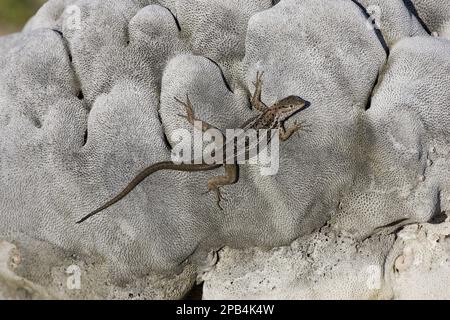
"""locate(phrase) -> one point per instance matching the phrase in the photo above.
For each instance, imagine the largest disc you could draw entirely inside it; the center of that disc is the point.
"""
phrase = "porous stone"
(87, 101)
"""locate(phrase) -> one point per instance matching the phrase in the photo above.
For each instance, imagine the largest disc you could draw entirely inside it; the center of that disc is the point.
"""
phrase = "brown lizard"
(269, 118)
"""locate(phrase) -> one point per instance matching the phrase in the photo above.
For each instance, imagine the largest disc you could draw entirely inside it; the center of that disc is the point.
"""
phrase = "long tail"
(144, 174)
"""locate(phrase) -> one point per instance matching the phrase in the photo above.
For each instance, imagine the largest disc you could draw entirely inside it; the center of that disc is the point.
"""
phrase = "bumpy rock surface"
(328, 265)
(418, 267)
(86, 102)
(434, 14)
(13, 286)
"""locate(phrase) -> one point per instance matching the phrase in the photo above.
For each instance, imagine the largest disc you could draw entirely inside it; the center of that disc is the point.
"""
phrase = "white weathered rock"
(420, 263)
(12, 286)
(109, 75)
(323, 265)
(41, 271)
(326, 265)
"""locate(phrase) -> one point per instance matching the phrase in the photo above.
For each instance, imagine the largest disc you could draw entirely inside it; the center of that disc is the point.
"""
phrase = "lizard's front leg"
(230, 177)
(285, 134)
(256, 99)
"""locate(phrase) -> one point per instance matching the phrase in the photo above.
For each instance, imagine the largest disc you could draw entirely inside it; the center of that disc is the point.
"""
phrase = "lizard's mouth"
(307, 104)
(294, 112)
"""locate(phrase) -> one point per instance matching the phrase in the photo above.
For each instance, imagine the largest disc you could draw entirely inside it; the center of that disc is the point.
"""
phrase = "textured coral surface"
(86, 102)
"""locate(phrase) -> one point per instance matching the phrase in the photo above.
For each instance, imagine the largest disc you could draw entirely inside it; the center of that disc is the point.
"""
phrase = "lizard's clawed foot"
(285, 134)
(189, 109)
(301, 126)
(259, 76)
(219, 195)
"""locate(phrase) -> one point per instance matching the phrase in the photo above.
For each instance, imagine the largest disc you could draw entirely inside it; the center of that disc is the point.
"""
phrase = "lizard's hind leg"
(230, 177)
(231, 170)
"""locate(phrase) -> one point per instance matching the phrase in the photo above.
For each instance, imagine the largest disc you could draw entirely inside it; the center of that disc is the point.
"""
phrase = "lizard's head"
(289, 106)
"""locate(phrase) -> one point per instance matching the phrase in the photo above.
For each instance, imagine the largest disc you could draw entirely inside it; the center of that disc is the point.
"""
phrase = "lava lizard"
(272, 117)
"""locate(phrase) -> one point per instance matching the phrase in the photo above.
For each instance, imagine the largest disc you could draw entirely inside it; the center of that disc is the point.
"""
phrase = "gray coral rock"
(86, 102)
(394, 19)
(435, 14)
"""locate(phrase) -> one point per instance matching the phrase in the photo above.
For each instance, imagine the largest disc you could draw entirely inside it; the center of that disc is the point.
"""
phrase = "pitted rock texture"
(32, 269)
(86, 102)
(328, 265)
(322, 265)
(13, 286)
(420, 262)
